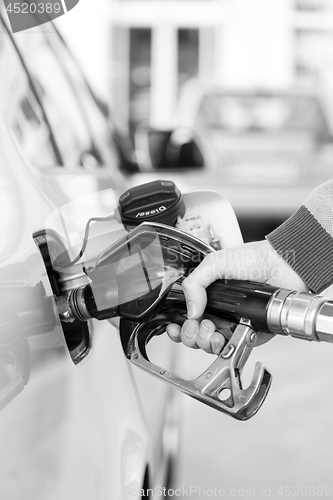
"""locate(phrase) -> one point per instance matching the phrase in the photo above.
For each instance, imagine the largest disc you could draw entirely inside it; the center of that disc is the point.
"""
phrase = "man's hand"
(256, 261)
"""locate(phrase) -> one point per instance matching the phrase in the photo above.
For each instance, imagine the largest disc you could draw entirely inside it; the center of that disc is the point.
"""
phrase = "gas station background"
(140, 53)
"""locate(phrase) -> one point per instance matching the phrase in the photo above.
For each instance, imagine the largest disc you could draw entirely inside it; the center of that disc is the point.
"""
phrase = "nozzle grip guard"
(223, 374)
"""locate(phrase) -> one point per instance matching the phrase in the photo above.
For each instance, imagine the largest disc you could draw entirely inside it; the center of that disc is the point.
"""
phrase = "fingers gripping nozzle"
(219, 386)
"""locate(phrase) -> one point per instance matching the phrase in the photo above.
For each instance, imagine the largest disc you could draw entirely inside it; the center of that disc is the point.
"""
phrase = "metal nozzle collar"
(78, 304)
(294, 313)
(72, 306)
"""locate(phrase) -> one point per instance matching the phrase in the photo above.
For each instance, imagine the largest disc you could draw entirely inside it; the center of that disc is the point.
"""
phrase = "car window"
(61, 104)
(267, 113)
(101, 129)
(96, 121)
(21, 110)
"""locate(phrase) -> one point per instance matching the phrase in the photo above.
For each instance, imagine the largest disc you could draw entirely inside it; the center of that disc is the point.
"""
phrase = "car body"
(77, 420)
(265, 150)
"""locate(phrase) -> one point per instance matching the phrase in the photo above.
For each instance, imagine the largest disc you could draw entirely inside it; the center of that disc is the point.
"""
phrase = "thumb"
(210, 269)
(246, 262)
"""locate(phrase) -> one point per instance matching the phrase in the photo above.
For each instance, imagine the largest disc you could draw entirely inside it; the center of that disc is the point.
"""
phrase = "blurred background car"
(264, 150)
(67, 431)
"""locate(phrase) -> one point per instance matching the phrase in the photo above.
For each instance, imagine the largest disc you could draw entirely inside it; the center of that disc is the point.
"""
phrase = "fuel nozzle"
(139, 280)
(140, 275)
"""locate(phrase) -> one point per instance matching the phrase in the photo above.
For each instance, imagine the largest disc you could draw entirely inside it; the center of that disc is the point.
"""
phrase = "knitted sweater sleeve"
(305, 240)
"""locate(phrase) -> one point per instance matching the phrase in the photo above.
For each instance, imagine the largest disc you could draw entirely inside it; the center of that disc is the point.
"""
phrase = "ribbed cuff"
(305, 245)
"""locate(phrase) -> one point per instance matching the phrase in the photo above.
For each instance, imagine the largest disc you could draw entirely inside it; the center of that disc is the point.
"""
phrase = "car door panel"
(64, 412)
